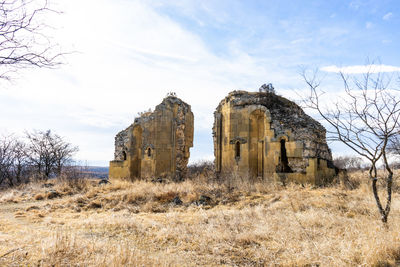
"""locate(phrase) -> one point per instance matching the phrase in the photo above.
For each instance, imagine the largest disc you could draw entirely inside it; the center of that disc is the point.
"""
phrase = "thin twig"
(11, 251)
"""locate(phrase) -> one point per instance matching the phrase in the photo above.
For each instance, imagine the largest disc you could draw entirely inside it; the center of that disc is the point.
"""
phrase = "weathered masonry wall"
(156, 144)
(261, 134)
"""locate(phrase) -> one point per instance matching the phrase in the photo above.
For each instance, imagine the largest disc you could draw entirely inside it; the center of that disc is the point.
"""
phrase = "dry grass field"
(81, 223)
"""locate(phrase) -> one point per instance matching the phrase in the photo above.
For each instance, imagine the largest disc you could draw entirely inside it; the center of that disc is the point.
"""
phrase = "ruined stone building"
(156, 144)
(261, 134)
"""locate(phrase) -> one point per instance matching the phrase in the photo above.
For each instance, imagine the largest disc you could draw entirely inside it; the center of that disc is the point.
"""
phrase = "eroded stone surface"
(262, 134)
(156, 144)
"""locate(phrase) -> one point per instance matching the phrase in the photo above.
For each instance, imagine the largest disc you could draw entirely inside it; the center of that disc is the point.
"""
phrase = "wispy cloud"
(355, 4)
(149, 52)
(301, 41)
(359, 69)
(387, 16)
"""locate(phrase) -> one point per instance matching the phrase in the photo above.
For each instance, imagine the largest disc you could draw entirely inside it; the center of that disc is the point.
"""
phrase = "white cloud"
(368, 25)
(387, 16)
(359, 69)
(129, 57)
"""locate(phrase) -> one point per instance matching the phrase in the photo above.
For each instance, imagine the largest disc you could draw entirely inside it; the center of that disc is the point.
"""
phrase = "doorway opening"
(284, 162)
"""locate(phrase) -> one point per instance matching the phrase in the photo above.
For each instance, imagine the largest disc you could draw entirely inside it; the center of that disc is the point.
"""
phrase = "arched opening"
(123, 155)
(237, 150)
(149, 152)
(284, 162)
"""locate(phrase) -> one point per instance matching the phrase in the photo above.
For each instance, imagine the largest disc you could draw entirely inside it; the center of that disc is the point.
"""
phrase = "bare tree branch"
(22, 40)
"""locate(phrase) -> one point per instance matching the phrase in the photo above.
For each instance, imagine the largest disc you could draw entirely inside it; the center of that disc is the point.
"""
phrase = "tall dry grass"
(218, 223)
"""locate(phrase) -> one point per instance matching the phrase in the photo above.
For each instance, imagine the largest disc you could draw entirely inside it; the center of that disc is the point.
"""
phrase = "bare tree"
(13, 168)
(365, 118)
(23, 42)
(351, 163)
(21, 171)
(48, 153)
(45, 154)
(63, 153)
(6, 160)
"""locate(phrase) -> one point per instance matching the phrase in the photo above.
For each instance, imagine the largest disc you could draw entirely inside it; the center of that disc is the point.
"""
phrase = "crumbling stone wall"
(156, 144)
(121, 145)
(265, 135)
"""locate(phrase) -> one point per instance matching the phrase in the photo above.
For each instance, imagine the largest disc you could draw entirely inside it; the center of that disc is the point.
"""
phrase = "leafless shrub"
(394, 145)
(48, 153)
(349, 163)
(204, 167)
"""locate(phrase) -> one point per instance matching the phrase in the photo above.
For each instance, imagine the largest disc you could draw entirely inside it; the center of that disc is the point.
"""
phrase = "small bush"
(38, 196)
(53, 194)
(203, 168)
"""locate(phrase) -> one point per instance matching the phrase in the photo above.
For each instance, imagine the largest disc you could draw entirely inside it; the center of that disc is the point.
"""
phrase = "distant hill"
(96, 171)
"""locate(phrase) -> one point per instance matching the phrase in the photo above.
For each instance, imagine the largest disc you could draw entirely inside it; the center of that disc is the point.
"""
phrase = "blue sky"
(130, 54)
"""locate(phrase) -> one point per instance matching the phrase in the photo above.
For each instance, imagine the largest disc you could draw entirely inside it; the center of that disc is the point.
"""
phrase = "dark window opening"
(318, 163)
(149, 152)
(284, 164)
(124, 155)
(237, 149)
